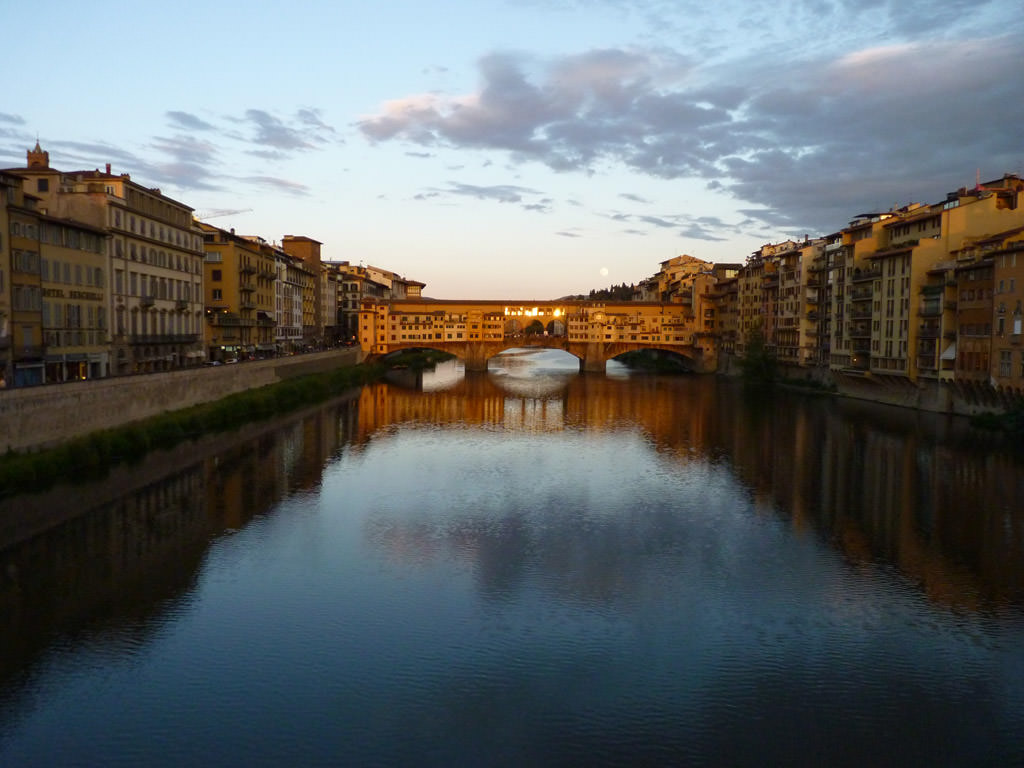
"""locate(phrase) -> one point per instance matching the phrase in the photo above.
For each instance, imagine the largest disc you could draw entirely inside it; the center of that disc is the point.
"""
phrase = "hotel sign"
(58, 293)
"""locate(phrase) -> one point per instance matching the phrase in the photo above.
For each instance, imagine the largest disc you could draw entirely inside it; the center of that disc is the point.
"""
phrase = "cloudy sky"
(523, 148)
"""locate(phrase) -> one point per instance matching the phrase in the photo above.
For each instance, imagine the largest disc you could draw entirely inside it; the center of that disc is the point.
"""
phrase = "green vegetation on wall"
(91, 456)
(758, 362)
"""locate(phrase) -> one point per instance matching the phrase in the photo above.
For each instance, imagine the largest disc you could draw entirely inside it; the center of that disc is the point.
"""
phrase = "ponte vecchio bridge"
(593, 331)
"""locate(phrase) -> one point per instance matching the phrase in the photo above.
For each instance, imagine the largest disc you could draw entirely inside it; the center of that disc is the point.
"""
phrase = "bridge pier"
(475, 357)
(593, 358)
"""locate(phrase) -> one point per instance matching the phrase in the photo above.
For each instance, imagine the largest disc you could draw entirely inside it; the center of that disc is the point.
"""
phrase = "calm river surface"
(528, 568)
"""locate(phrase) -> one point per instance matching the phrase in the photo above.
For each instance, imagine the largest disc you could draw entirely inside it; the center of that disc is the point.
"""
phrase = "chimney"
(108, 169)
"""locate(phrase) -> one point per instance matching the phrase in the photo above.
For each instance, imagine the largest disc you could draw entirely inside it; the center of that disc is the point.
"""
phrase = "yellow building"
(26, 349)
(74, 266)
(307, 250)
(155, 300)
(1005, 252)
(239, 275)
(10, 186)
(891, 318)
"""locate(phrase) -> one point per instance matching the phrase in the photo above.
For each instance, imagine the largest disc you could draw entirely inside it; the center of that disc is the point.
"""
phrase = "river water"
(528, 567)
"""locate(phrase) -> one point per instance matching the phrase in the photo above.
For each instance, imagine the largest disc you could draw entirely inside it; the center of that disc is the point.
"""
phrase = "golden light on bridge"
(531, 312)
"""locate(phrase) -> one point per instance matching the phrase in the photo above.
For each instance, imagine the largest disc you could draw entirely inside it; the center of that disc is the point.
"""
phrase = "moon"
(604, 271)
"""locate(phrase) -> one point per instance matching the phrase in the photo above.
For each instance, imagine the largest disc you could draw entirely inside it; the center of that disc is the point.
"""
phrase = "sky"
(523, 149)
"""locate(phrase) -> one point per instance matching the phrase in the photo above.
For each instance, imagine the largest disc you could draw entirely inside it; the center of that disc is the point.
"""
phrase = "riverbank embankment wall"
(38, 417)
(952, 397)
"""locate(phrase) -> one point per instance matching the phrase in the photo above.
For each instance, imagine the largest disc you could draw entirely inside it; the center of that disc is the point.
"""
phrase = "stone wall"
(37, 417)
(957, 398)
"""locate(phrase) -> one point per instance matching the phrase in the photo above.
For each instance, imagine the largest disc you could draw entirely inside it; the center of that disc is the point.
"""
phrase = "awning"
(950, 352)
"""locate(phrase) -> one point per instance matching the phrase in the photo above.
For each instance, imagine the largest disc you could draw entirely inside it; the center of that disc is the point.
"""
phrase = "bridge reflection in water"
(137, 563)
(872, 479)
(880, 483)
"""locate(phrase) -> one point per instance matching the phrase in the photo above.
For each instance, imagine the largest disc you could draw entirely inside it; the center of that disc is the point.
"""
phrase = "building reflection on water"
(882, 485)
(915, 490)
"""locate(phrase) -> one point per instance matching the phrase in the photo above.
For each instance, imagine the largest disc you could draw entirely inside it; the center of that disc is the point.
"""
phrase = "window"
(42, 185)
(215, 275)
(1005, 362)
(218, 294)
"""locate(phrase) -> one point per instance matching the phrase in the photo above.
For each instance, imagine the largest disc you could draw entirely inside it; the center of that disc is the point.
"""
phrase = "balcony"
(929, 311)
(861, 294)
(147, 301)
(247, 269)
(29, 351)
(163, 338)
(223, 318)
(932, 290)
(860, 332)
(866, 274)
(928, 332)
(181, 304)
(246, 286)
(860, 313)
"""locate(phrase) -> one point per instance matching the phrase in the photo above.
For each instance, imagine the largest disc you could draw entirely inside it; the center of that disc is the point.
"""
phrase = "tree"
(758, 363)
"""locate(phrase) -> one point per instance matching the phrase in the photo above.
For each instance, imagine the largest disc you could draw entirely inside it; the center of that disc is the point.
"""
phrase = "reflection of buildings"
(874, 480)
(880, 483)
(137, 540)
(885, 484)
(120, 562)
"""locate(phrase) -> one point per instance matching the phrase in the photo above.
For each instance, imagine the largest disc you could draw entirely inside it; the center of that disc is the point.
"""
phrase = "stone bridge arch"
(691, 356)
(592, 356)
(476, 354)
(593, 332)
